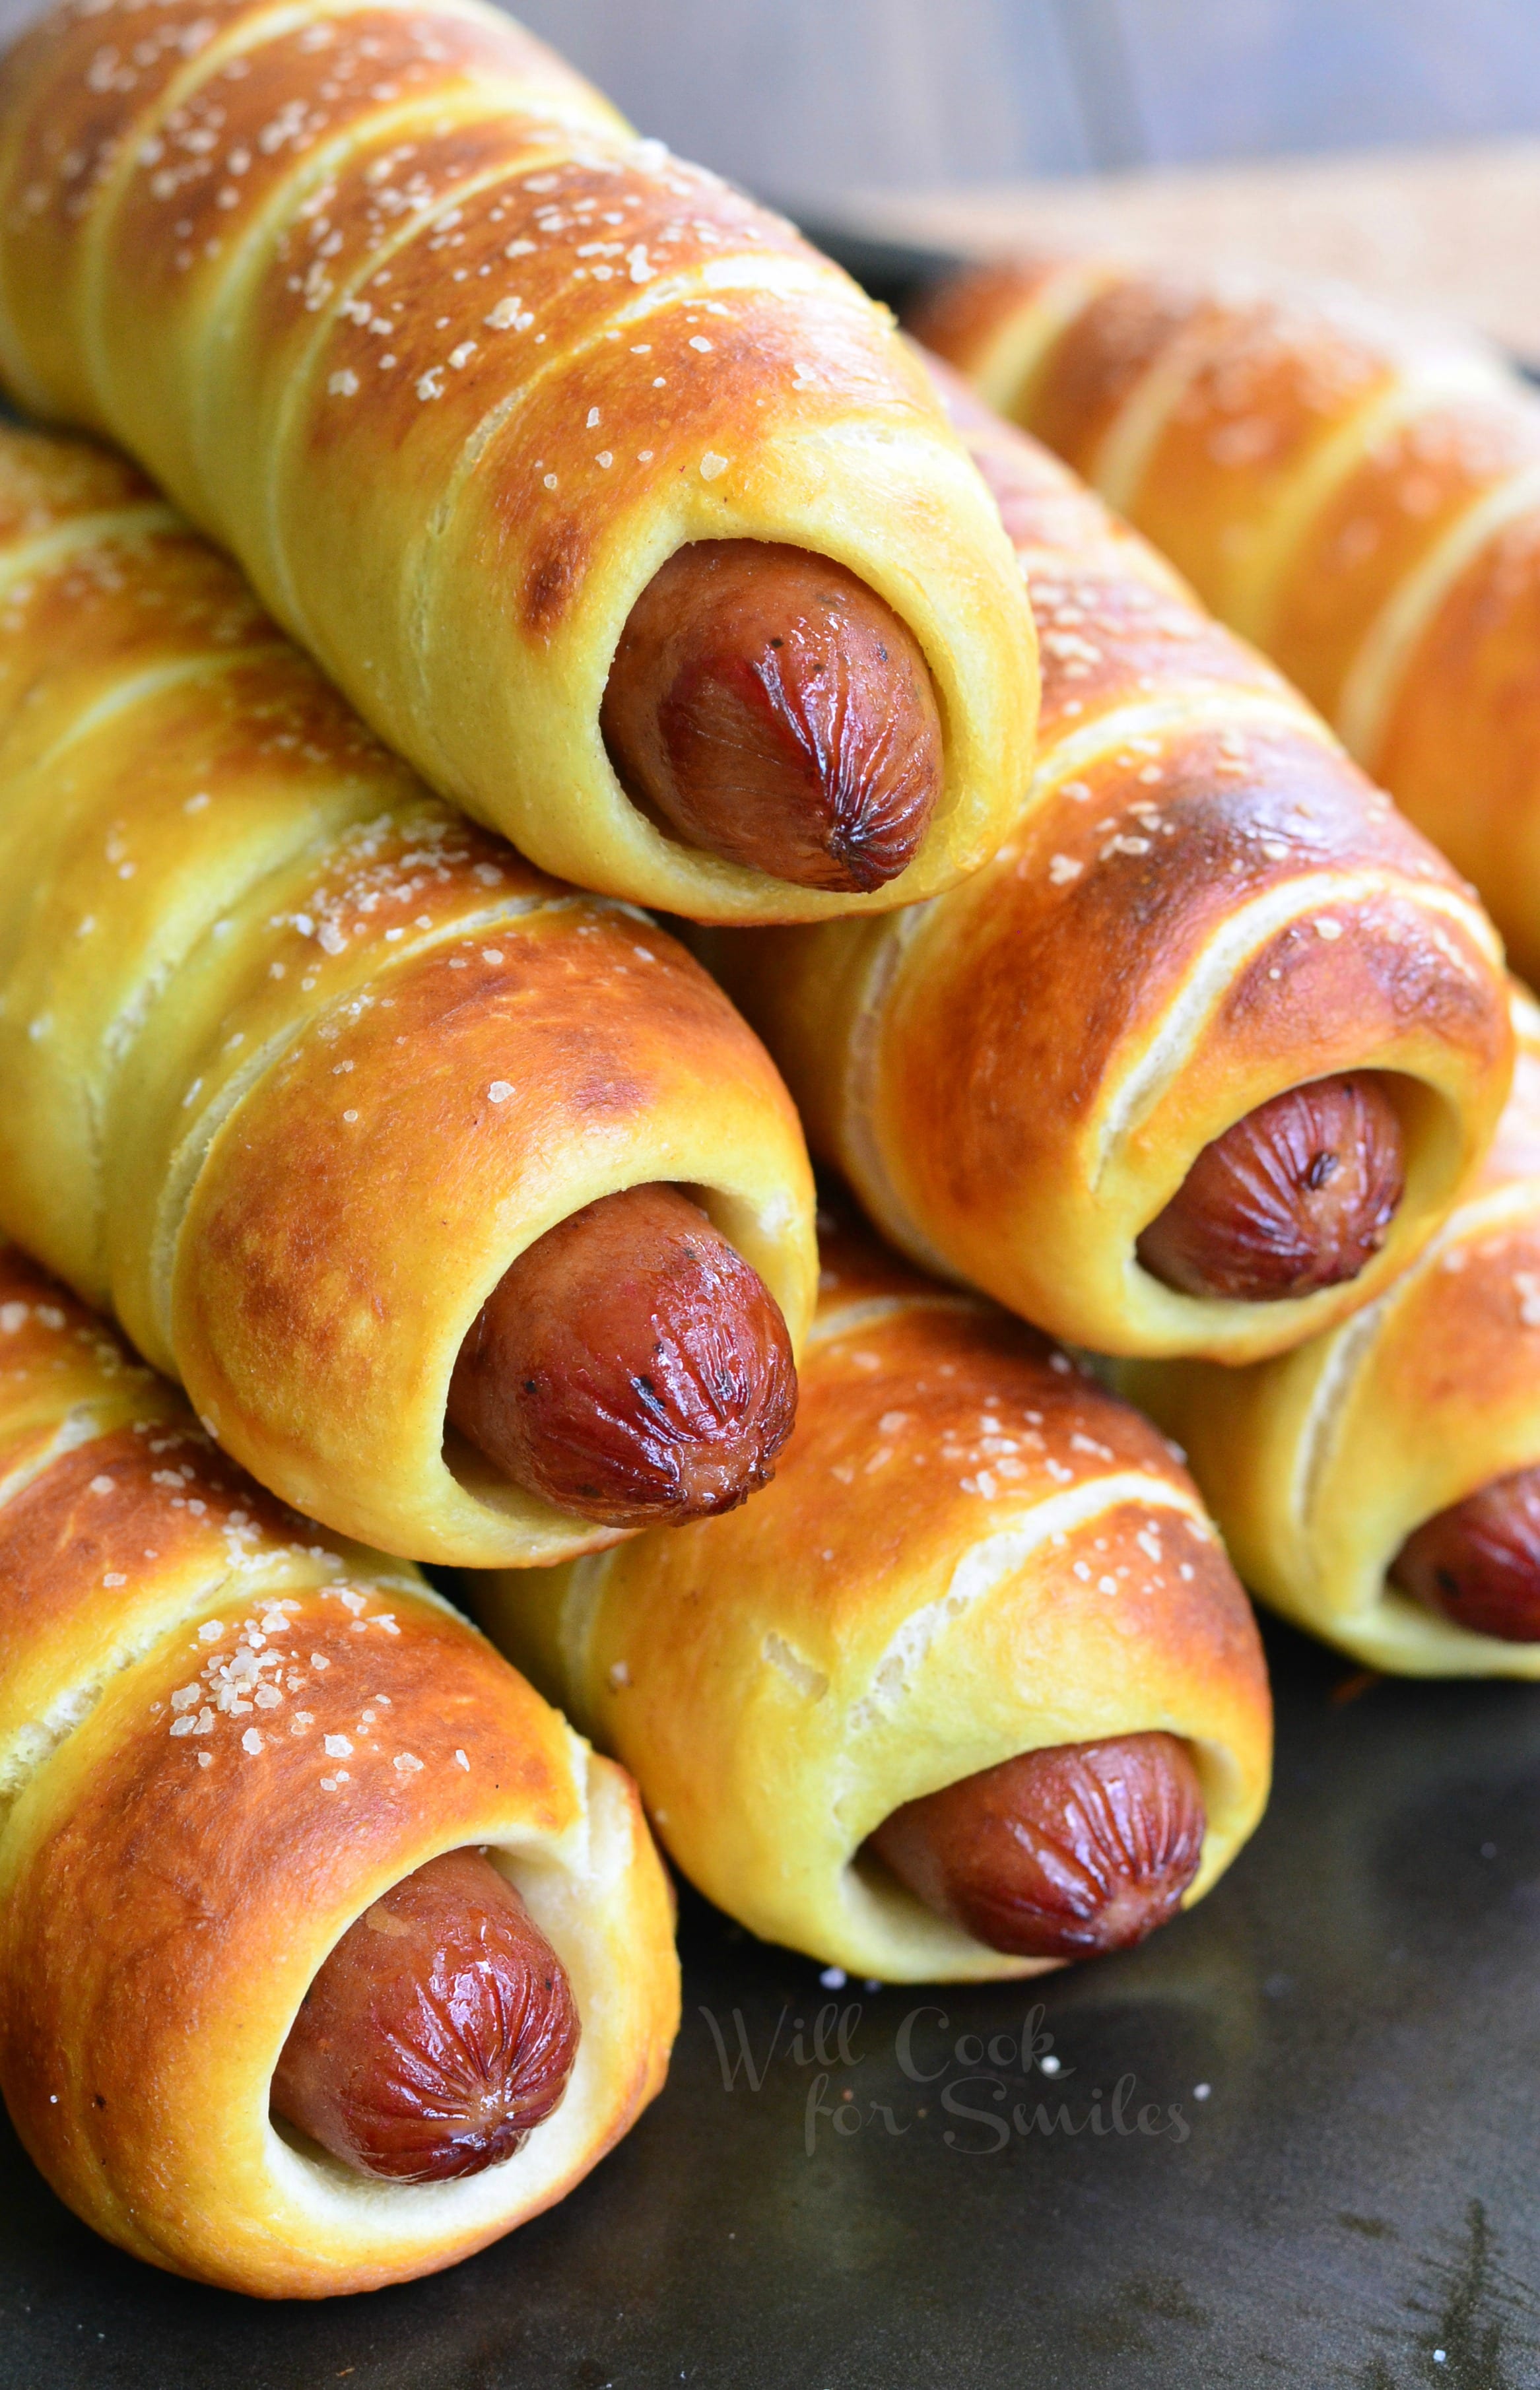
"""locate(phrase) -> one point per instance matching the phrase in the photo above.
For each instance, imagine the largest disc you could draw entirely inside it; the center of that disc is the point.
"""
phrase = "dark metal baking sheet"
(894, 271)
(1354, 2195)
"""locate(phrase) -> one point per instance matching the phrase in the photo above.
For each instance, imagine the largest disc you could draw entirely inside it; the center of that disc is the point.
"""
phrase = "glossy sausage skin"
(1061, 1853)
(1297, 1196)
(630, 1368)
(1478, 1562)
(769, 707)
(439, 2033)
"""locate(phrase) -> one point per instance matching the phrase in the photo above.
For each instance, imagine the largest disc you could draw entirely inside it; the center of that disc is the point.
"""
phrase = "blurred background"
(806, 98)
(1392, 143)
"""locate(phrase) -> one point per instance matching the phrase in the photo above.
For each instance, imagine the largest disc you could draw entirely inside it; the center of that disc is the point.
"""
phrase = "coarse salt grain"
(251, 1742)
(713, 465)
(406, 1763)
(499, 1091)
(337, 1746)
(461, 1761)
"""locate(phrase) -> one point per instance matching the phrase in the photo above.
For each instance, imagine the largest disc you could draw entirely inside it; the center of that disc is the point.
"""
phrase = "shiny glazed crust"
(178, 1853)
(1205, 904)
(400, 311)
(1319, 1465)
(295, 1061)
(942, 1575)
(1359, 494)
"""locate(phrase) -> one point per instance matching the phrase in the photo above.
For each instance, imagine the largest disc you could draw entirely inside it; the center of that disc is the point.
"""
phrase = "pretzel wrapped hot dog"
(330, 1095)
(1381, 1485)
(479, 388)
(1200, 1060)
(328, 1952)
(1358, 492)
(970, 1689)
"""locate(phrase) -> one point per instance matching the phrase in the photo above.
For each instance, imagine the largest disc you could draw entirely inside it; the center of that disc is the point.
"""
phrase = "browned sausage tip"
(773, 710)
(1297, 1196)
(630, 1368)
(439, 2033)
(1478, 1562)
(1061, 1853)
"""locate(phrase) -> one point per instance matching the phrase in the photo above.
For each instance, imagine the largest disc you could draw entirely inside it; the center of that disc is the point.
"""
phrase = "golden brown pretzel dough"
(1318, 1465)
(400, 311)
(1206, 904)
(1358, 493)
(295, 1062)
(223, 1736)
(969, 1550)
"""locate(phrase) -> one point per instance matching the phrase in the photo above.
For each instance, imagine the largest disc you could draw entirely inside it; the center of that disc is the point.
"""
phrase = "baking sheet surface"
(903, 2206)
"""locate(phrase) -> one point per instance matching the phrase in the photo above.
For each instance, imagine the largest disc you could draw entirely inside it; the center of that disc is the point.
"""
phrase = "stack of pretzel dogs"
(1359, 494)
(585, 508)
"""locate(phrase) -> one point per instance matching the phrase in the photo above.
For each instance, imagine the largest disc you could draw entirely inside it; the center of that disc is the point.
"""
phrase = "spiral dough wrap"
(397, 308)
(232, 1751)
(1379, 1486)
(311, 1083)
(1204, 919)
(979, 1635)
(1358, 492)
